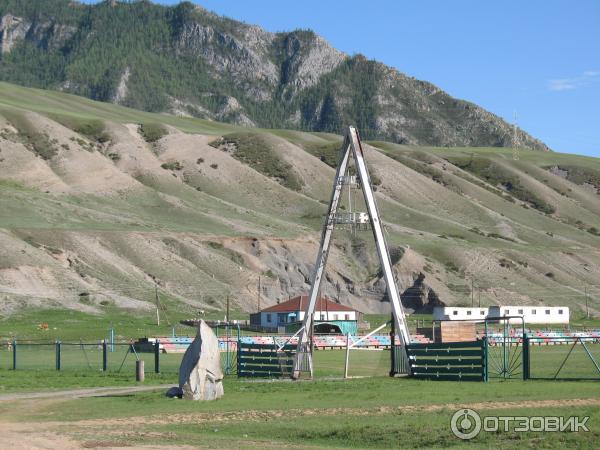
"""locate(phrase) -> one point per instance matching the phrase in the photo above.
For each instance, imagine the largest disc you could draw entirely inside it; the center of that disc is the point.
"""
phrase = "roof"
(301, 302)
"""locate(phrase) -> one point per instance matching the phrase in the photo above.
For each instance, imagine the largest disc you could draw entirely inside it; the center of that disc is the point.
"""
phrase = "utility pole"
(227, 316)
(157, 303)
(587, 311)
(259, 293)
(472, 293)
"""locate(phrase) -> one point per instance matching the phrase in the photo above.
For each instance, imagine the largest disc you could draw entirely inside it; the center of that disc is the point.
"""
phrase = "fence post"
(393, 347)
(57, 346)
(347, 355)
(484, 349)
(14, 354)
(139, 370)
(104, 356)
(526, 373)
(239, 342)
(156, 356)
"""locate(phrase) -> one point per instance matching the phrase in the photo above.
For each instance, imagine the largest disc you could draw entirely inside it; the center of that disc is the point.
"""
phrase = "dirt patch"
(117, 433)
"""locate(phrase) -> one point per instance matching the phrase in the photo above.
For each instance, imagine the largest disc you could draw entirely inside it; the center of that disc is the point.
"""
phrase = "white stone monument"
(200, 374)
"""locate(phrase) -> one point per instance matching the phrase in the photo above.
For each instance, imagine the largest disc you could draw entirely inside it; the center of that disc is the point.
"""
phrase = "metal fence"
(98, 356)
(95, 356)
(562, 358)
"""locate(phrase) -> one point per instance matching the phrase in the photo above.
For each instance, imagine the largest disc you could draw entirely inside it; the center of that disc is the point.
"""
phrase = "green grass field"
(361, 413)
(373, 411)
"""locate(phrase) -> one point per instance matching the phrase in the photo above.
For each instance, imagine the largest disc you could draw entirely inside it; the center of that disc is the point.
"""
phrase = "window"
(533, 311)
(520, 311)
(347, 317)
(547, 311)
(482, 313)
(560, 311)
(281, 318)
(269, 318)
(322, 316)
(335, 317)
(455, 313)
(468, 313)
(507, 312)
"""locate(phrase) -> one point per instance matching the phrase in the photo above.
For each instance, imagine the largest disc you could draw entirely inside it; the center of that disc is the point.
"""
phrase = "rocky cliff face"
(12, 29)
(189, 61)
(48, 35)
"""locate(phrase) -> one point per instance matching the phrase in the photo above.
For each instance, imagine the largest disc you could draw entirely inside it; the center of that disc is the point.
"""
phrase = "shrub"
(174, 165)
(496, 176)
(499, 236)
(93, 129)
(254, 150)
(451, 267)
(35, 141)
(214, 166)
(152, 132)
(594, 231)
(269, 273)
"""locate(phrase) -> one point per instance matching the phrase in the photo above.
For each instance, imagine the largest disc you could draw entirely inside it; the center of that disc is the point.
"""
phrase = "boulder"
(200, 374)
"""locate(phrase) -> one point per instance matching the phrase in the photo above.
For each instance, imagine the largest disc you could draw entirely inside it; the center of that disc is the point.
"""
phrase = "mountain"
(100, 204)
(190, 62)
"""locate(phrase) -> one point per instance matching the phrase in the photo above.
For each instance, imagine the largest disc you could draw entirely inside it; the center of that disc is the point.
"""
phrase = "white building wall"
(459, 313)
(330, 315)
(318, 315)
(531, 314)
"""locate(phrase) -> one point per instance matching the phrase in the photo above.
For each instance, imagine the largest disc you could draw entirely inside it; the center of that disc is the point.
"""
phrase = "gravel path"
(79, 393)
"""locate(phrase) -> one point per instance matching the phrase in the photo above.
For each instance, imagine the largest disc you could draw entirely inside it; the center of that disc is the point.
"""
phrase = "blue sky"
(540, 58)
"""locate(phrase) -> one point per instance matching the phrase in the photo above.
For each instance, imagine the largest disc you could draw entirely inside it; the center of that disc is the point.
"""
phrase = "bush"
(328, 153)
(35, 141)
(254, 150)
(498, 176)
(93, 129)
(174, 165)
(214, 166)
(499, 236)
(594, 231)
(152, 132)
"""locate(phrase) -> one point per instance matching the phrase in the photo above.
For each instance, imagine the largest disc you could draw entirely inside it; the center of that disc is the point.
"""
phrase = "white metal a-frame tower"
(352, 146)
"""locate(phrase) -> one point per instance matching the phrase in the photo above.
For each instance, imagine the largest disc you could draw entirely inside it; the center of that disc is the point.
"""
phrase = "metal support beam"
(303, 356)
(377, 226)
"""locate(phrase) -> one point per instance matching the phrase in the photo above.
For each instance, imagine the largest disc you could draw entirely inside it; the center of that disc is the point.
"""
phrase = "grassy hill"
(100, 204)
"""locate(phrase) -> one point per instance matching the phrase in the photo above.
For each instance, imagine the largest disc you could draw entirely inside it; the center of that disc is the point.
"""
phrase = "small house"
(329, 316)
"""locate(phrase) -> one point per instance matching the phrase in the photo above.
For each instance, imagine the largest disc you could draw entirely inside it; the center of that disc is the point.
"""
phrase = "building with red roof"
(330, 316)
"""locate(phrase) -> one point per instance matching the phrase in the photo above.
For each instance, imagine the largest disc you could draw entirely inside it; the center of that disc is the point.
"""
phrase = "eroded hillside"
(99, 204)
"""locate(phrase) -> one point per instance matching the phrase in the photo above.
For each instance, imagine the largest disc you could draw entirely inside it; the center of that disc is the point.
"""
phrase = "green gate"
(454, 361)
(507, 356)
(265, 360)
